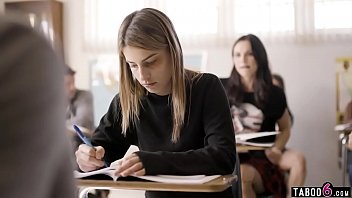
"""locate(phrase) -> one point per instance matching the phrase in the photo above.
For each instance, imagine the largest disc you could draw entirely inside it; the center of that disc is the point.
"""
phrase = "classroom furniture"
(343, 131)
(46, 16)
(217, 185)
(237, 183)
(245, 148)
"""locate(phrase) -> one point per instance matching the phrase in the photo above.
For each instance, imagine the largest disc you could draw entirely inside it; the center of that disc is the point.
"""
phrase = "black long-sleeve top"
(206, 143)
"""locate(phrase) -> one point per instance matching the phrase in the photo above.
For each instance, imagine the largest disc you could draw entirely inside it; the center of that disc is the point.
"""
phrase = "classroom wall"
(310, 83)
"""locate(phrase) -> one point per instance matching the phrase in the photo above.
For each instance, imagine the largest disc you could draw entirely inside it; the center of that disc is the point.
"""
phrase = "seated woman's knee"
(299, 159)
(247, 173)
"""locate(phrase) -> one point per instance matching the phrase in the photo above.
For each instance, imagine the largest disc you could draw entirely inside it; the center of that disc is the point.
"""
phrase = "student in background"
(179, 119)
(348, 119)
(80, 112)
(80, 103)
(258, 105)
(34, 151)
(349, 146)
(291, 160)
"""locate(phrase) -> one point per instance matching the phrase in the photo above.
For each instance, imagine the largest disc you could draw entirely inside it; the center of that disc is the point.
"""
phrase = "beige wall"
(307, 69)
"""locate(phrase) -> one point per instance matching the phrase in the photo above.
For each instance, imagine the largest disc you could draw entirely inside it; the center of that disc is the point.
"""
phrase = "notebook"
(262, 139)
(174, 179)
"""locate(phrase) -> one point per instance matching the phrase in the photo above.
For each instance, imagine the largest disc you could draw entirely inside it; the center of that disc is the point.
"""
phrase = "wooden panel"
(45, 16)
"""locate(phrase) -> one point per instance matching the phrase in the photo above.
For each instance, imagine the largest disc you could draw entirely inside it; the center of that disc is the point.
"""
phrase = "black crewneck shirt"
(206, 143)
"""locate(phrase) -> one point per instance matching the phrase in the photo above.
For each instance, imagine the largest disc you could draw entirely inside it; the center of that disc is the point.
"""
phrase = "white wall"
(310, 82)
(309, 72)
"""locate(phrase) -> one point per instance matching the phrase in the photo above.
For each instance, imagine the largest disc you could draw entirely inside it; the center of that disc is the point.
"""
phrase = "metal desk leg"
(83, 192)
(344, 159)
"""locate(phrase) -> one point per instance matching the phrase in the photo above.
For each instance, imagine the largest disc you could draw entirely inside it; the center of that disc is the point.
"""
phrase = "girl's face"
(152, 68)
(244, 61)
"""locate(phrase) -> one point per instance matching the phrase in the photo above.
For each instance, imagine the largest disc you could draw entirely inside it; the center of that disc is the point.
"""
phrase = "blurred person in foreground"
(34, 150)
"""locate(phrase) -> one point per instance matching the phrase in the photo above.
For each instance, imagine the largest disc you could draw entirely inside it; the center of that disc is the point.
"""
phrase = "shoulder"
(206, 84)
(205, 79)
(277, 93)
(84, 93)
(116, 101)
(83, 97)
(277, 98)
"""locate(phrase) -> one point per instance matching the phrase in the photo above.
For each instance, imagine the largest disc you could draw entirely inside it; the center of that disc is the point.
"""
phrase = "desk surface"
(217, 185)
(246, 148)
(343, 127)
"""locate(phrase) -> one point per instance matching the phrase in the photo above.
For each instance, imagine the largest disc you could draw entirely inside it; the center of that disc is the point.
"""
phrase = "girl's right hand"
(88, 158)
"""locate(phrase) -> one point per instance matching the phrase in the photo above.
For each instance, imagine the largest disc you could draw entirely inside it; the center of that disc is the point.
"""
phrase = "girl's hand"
(89, 158)
(273, 154)
(130, 165)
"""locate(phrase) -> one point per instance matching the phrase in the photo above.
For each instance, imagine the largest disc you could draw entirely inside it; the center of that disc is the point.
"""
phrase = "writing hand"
(129, 165)
(89, 158)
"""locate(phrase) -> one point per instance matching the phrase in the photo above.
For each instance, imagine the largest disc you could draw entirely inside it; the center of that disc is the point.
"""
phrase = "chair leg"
(83, 192)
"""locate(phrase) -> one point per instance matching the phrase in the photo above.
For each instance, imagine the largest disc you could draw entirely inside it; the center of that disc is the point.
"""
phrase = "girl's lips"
(149, 84)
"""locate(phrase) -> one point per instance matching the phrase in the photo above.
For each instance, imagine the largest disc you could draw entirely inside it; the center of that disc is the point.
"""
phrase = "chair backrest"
(236, 185)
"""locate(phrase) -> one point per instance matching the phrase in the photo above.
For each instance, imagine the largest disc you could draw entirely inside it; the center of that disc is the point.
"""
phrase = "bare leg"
(294, 162)
(251, 181)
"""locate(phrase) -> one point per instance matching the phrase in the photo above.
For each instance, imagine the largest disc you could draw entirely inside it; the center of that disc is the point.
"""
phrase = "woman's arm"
(109, 133)
(274, 153)
(284, 124)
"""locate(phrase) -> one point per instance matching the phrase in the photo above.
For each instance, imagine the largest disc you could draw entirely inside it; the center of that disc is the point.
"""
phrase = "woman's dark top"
(261, 119)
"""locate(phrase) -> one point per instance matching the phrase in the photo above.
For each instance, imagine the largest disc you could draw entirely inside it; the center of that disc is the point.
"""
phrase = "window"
(333, 14)
(102, 21)
(193, 17)
(253, 16)
(214, 23)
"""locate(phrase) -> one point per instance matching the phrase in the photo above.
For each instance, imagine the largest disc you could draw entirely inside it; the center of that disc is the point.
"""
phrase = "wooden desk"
(217, 185)
(245, 148)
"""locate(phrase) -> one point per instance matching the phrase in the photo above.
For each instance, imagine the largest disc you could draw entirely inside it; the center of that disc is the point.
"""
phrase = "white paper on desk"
(343, 127)
(172, 179)
(109, 171)
(251, 138)
(176, 179)
(270, 144)
(248, 136)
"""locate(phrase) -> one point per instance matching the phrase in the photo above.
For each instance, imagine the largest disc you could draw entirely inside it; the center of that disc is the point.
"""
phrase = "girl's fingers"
(132, 170)
(130, 165)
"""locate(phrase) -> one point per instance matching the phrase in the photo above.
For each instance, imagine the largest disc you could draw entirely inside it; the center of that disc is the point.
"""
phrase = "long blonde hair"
(150, 29)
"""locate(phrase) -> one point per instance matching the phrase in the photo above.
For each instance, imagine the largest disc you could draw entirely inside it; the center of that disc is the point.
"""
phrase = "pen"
(84, 139)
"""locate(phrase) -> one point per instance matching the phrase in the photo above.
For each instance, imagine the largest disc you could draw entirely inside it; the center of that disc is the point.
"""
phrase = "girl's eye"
(149, 63)
(133, 66)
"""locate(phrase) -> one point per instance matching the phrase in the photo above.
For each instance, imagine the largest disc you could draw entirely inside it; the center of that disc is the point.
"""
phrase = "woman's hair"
(262, 81)
(280, 80)
(150, 29)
